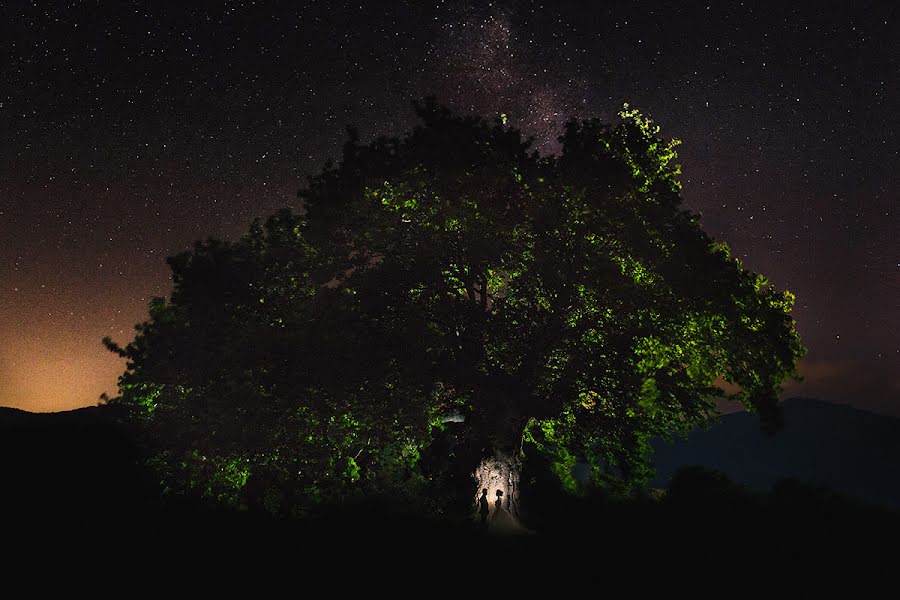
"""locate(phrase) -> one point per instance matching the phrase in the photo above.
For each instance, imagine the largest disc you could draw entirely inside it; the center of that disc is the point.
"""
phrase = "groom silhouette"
(485, 507)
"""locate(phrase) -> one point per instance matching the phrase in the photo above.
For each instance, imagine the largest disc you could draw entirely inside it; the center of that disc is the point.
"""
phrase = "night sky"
(129, 130)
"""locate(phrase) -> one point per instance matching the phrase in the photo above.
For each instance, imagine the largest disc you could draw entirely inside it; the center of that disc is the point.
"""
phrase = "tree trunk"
(500, 426)
(498, 473)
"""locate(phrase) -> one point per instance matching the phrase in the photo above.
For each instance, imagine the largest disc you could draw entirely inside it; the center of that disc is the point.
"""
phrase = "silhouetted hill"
(62, 461)
(837, 446)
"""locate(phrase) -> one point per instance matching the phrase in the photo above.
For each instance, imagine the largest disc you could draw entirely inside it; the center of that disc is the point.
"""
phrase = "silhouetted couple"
(484, 510)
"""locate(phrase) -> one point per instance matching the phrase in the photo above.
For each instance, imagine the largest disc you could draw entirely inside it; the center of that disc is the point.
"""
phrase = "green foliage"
(553, 438)
(569, 299)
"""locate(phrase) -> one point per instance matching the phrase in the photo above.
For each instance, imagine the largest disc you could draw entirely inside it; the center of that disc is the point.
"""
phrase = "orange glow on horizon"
(51, 355)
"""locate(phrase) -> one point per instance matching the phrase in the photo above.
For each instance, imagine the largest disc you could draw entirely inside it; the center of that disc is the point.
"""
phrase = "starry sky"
(130, 129)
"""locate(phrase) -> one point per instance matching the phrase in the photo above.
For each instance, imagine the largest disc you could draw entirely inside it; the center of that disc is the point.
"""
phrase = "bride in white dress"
(501, 519)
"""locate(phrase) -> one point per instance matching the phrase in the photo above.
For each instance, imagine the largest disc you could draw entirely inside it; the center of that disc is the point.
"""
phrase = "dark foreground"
(81, 520)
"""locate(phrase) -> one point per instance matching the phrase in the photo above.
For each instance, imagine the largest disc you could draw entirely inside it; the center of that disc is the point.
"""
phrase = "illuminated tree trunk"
(499, 471)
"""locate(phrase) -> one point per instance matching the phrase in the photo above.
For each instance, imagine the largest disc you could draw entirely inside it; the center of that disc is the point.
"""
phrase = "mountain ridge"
(846, 449)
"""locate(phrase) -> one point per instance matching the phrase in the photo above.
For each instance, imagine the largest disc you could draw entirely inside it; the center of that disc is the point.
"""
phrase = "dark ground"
(81, 518)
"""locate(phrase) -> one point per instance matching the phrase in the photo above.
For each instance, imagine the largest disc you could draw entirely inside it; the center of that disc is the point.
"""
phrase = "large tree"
(568, 302)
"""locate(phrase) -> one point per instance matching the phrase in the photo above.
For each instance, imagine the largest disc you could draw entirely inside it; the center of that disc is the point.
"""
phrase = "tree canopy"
(565, 302)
